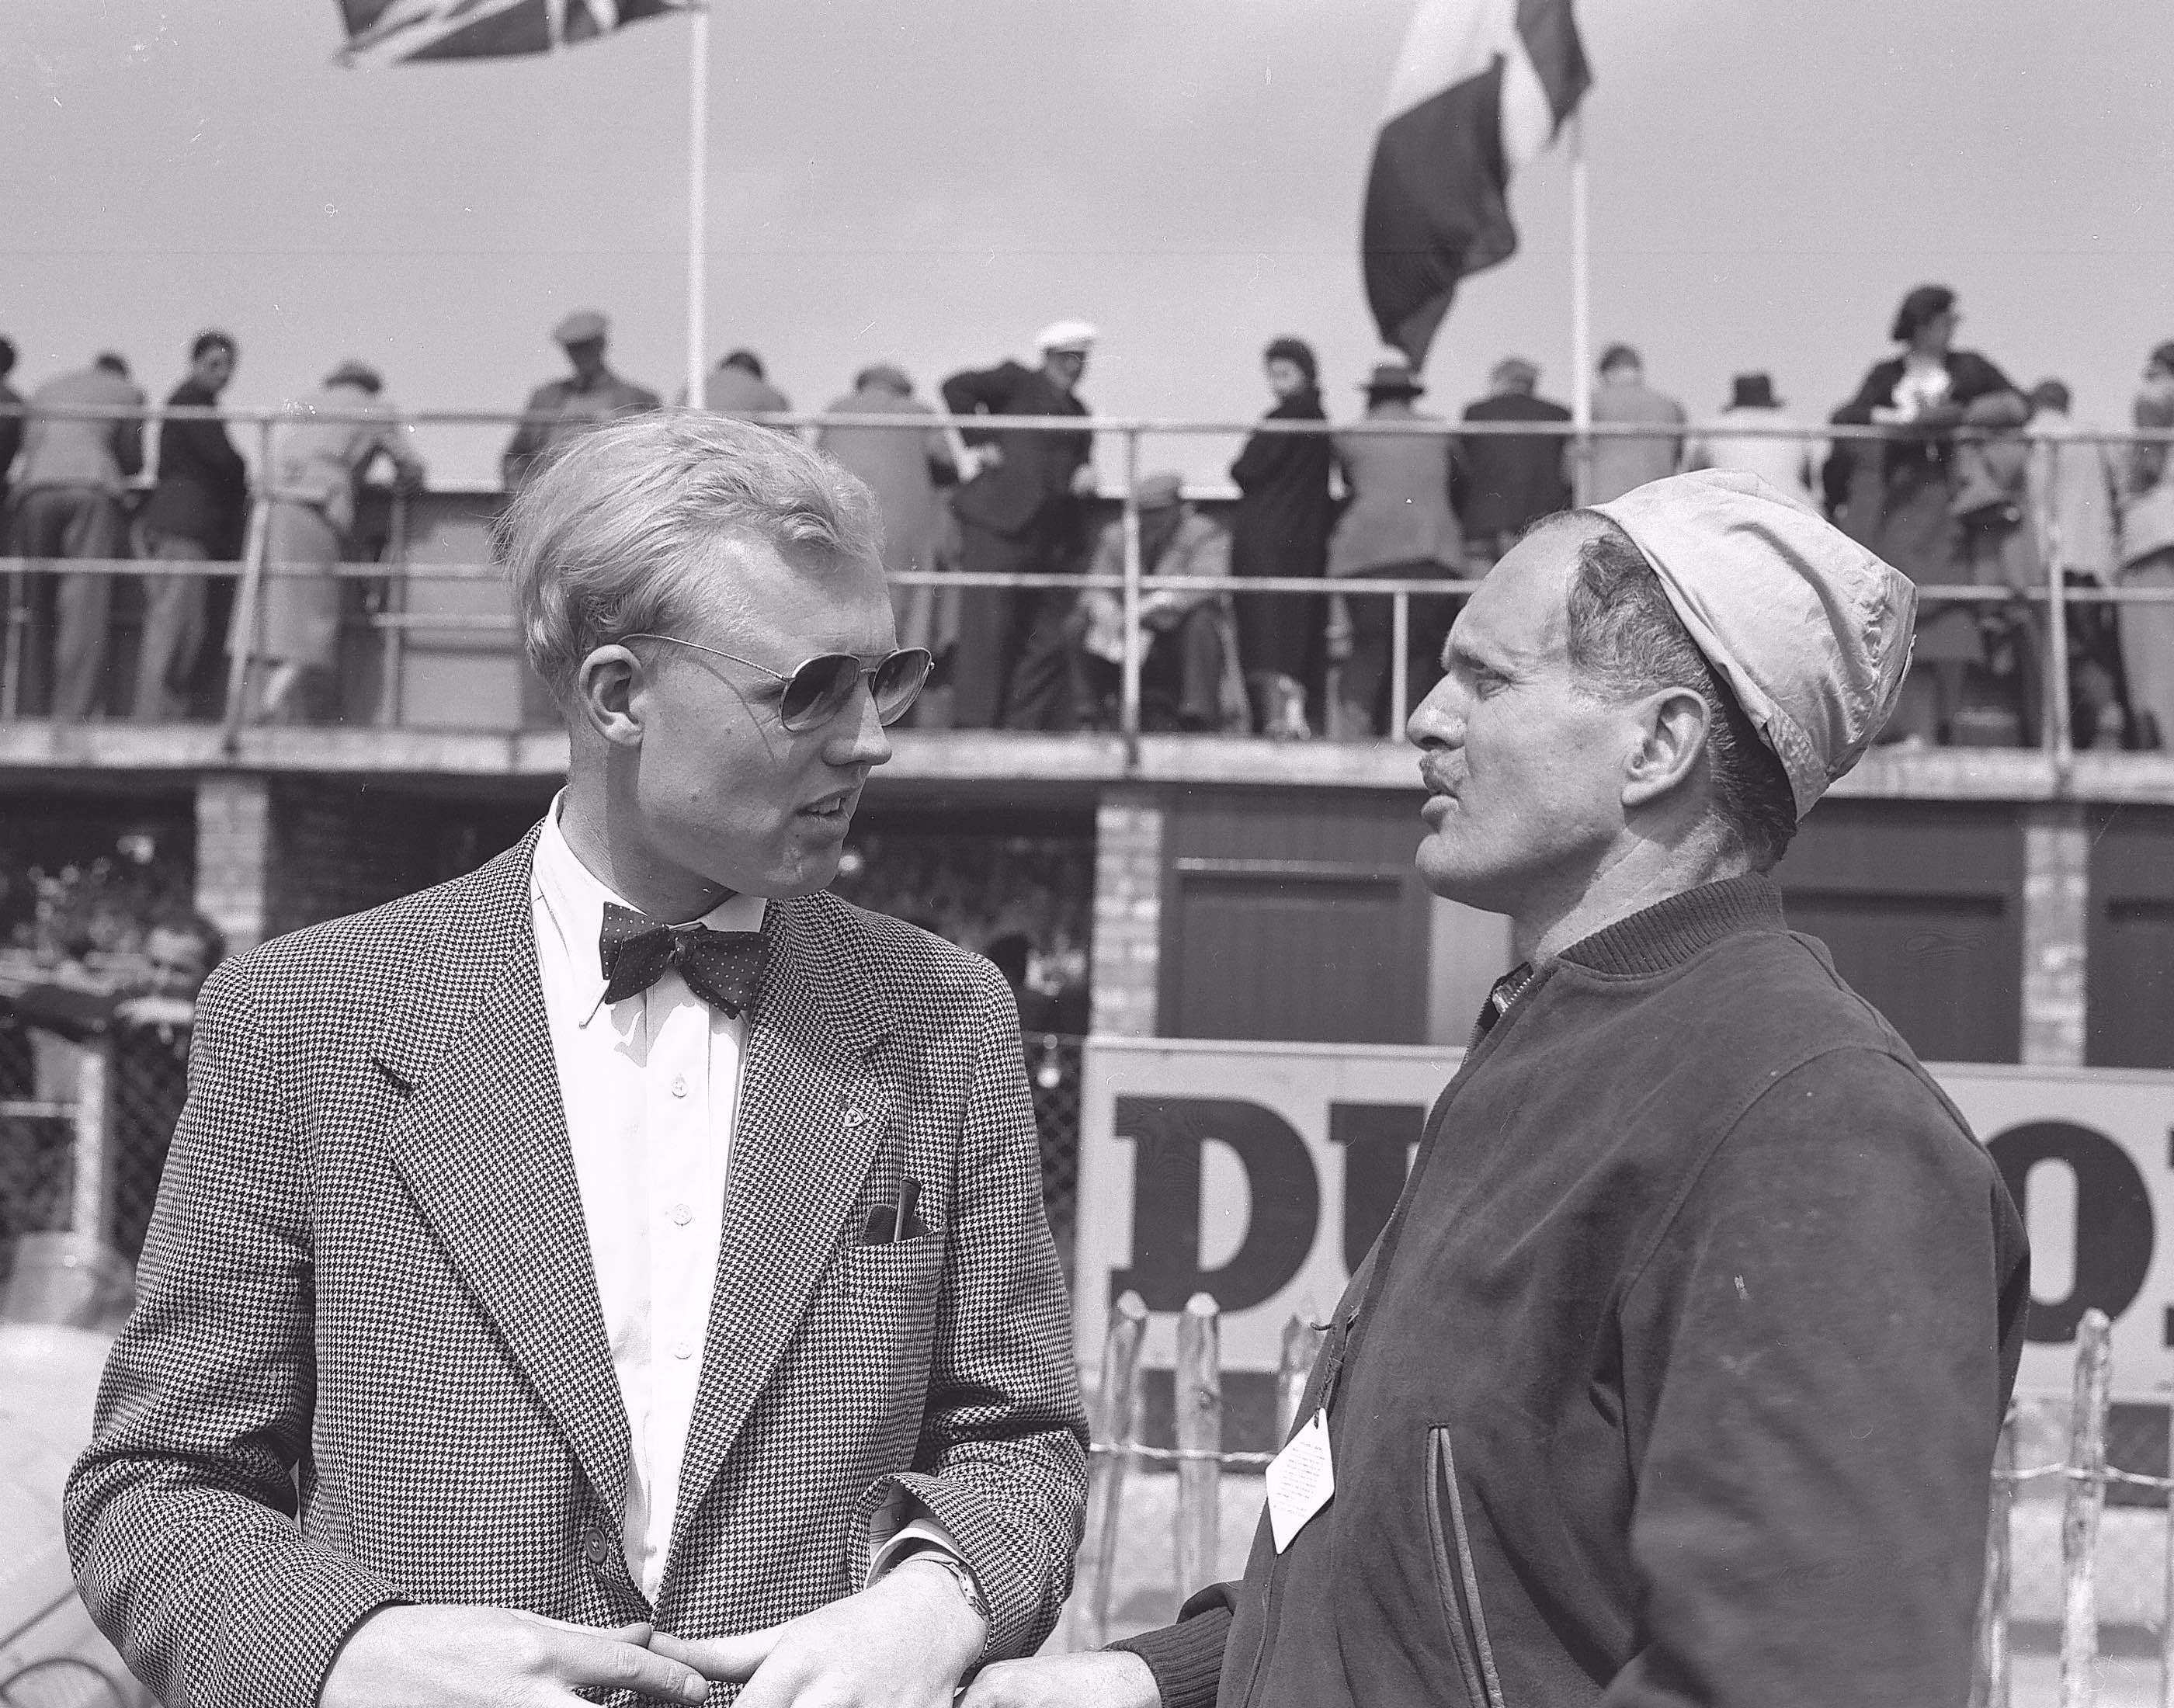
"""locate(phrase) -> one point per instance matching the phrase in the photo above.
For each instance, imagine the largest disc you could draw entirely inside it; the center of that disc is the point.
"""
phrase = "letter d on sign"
(1167, 1133)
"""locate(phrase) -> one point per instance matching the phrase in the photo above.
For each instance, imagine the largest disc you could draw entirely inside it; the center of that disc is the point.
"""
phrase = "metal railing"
(255, 570)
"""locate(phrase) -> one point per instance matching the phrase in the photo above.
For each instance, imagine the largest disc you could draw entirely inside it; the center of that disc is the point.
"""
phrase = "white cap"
(1066, 335)
(1811, 630)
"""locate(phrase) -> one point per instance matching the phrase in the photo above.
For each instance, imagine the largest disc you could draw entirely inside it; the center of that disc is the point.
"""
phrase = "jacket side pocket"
(1455, 1577)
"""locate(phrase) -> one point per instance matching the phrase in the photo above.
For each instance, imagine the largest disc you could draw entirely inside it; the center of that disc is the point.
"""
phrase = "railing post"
(249, 597)
(1301, 1346)
(10, 652)
(1989, 1670)
(90, 1196)
(1199, 1414)
(1116, 1427)
(2080, 1518)
(393, 646)
(1400, 672)
(1128, 712)
(2059, 738)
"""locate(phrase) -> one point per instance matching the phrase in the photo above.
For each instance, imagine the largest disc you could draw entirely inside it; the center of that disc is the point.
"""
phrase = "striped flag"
(1480, 88)
(400, 32)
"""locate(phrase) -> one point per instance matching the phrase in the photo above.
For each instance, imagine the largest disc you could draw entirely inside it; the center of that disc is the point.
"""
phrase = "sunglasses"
(817, 691)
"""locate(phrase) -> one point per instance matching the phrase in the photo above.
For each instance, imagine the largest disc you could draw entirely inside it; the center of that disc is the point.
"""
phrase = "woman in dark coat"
(1280, 527)
(1903, 494)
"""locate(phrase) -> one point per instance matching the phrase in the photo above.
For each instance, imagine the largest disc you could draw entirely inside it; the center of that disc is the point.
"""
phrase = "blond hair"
(609, 537)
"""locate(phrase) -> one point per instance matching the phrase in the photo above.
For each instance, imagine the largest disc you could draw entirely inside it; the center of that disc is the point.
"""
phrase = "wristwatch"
(955, 1569)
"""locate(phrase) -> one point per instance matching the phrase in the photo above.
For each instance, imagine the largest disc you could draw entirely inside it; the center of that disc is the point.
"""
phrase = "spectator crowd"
(1957, 475)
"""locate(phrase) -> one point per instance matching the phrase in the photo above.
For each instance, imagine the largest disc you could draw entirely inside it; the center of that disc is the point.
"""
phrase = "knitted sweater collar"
(1672, 931)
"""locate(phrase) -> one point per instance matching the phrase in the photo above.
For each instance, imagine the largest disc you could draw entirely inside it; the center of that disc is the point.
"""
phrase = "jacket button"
(594, 1548)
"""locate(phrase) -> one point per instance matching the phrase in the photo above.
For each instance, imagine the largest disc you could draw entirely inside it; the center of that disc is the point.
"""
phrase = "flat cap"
(1811, 630)
(1066, 335)
(580, 327)
(1159, 491)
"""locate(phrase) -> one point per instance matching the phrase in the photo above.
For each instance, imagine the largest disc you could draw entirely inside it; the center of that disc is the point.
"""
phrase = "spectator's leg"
(979, 654)
(39, 529)
(2147, 652)
(1360, 684)
(1041, 691)
(173, 633)
(1198, 643)
(84, 603)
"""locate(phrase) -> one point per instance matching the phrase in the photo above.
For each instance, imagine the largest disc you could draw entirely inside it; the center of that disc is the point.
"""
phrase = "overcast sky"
(930, 183)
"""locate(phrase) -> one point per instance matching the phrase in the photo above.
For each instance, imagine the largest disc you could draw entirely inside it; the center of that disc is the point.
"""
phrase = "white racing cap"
(1812, 630)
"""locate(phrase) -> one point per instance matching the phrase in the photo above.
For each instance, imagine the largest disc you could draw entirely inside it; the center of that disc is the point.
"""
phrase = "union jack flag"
(398, 32)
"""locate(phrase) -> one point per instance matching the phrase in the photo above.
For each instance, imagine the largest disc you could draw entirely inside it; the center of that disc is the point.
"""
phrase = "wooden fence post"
(1301, 1346)
(1116, 1426)
(2079, 1517)
(1989, 1670)
(2167, 1613)
(1198, 1404)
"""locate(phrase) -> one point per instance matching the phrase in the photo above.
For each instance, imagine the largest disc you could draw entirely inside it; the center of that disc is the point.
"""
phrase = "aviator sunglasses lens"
(898, 681)
(817, 689)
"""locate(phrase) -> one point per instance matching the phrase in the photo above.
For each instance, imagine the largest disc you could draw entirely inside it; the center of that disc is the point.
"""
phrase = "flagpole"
(698, 199)
(1581, 312)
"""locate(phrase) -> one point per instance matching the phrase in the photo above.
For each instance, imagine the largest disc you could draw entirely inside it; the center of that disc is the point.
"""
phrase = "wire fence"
(2033, 623)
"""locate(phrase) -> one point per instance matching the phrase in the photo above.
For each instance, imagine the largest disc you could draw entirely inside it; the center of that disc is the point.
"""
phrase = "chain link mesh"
(1053, 1065)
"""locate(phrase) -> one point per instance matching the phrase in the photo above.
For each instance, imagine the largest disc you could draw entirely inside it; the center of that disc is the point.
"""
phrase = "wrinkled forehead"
(1521, 607)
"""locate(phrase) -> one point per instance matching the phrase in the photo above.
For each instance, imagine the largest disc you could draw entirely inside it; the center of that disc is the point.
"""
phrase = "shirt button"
(594, 1548)
(683, 1348)
(679, 1088)
(854, 1117)
(681, 1215)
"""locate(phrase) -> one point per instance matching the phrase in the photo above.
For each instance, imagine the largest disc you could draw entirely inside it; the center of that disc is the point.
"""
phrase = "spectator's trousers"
(173, 631)
(1363, 685)
(69, 522)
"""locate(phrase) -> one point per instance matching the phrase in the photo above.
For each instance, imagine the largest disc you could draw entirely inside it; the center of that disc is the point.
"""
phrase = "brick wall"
(1127, 951)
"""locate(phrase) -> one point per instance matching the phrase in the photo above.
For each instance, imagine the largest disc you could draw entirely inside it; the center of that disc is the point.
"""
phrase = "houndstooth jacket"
(368, 1364)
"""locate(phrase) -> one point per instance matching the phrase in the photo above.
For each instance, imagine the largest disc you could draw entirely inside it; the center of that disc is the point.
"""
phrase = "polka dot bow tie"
(720, 967)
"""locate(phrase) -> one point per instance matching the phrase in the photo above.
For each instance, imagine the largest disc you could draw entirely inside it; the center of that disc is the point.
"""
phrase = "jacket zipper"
(1457, 1579)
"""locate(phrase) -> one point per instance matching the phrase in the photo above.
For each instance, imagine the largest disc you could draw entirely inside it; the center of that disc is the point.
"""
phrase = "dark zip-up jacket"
(1676, 1376)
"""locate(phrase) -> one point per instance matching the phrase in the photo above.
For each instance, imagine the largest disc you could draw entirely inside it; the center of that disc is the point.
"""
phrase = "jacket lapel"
(815, 1102)
(482, 1145)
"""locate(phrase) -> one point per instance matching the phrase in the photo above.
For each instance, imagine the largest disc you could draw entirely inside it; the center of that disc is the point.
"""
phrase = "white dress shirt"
(651, 1089)
(650, 1086)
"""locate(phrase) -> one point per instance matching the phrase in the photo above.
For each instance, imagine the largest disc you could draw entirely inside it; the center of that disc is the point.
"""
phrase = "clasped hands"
(903, 1642)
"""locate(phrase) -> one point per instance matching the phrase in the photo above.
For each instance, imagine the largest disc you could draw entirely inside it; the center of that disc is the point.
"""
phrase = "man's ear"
(1674, 727)
(604, 695)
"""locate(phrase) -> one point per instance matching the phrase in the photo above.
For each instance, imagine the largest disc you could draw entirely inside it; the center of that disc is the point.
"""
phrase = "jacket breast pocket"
(1456, 1580)
(900, 1269)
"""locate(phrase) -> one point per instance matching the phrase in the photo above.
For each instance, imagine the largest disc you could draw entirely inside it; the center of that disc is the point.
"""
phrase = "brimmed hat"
(1393, 378)
(584, 326)
(1753, 391)
(1810, 630)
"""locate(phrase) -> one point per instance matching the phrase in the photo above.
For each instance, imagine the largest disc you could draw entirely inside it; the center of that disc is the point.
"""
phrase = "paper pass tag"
(1302, 1481)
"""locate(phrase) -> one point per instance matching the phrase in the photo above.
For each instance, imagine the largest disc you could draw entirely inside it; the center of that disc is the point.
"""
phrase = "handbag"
(2147, 524)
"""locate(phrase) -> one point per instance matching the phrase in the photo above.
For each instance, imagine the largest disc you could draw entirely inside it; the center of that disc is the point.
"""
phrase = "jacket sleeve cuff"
(314, 1611)
(1187, 1658)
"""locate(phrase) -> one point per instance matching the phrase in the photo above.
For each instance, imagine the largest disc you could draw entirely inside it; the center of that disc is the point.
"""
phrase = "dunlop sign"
(1260, 1173)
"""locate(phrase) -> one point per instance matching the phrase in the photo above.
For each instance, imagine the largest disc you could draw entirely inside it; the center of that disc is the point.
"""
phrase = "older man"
(1676, 1375)
(563, 409)
(458, 1376)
